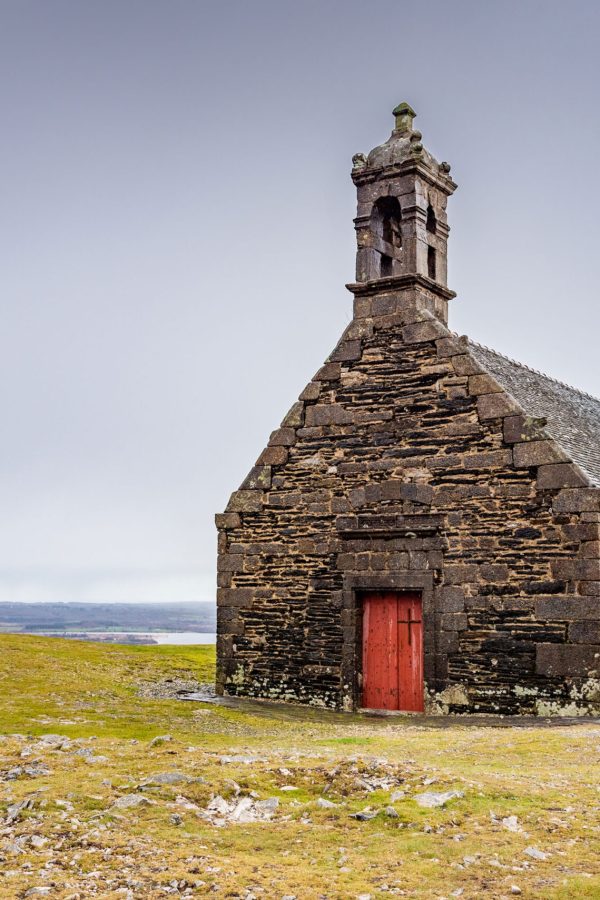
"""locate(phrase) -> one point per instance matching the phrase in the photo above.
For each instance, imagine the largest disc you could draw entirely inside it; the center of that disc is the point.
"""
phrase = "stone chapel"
(422, 533)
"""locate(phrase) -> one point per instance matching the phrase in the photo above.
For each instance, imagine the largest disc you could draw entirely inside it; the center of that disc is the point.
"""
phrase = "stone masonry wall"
(404, 465)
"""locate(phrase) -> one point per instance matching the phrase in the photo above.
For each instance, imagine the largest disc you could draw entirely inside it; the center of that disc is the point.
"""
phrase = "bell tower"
(401, 223)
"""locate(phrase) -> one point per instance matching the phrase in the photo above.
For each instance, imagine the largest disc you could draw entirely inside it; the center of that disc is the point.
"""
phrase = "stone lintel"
(399, 283)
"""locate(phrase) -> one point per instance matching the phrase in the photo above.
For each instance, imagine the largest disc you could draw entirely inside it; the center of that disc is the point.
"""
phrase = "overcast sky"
(176, 232)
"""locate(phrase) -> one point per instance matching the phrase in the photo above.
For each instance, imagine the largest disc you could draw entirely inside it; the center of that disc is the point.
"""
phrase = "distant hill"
(36, 617)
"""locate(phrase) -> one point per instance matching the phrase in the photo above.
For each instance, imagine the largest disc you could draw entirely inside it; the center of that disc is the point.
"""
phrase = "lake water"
(181, 637)
(160, 637)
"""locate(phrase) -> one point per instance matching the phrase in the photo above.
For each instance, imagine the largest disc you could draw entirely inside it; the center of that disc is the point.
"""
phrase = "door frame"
(354, 589)
(372, 597)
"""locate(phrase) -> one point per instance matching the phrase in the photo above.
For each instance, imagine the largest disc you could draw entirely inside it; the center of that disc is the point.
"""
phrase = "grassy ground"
(72, 840)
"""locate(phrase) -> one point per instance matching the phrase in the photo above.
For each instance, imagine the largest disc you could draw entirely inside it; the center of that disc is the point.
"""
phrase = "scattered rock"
(430, 799)
(515, 889)
(391, 813)
(168, 778)
(288, 787)
(363, 816)
(54, 739)
(243, 810)
(246, 760)
(512, 823)
(130, 801)
(176, 819)
(14, 811)
(38, 892)
(534, 853)
(397, 795)
(160, 739)
(37, 841)
(325, 804)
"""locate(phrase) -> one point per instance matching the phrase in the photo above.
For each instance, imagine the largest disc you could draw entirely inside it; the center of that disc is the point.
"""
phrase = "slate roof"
(572, 416)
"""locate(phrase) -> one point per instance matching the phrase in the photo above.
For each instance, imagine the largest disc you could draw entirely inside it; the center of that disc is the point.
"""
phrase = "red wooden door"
(392, 652)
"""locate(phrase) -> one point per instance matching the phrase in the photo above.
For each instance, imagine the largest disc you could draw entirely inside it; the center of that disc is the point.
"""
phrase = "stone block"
(577, 500)
(566, 608)
(464, 364)
(487, 459)
(245, 501)
(481, 384)
(421, 332)
(454, 621)
(273, 456)
(584, 569)
(258, 479)
(362, 307)
(283, 437)
(347, 351)
(230, 562)
(294, 416)
(311, 391)
(590, 550)
(451, 346)
(581, 531)
(495, 406)
(460, 573)
(585, 632)
(329, 372)
(494, 572)
(417, 492)
(383, 490)
(523, 428)
(567, 659)
(447, 642)
(328, 414)
(559, 475)
(284, 499)
(537, 453)
(228, 520)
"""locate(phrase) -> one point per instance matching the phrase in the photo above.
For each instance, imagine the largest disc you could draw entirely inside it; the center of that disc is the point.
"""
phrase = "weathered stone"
(283, 437)
(311, 391)
(258, 479)
(577, 500)
(587, 632)
(495, 406)
(559, 475)
(273, 456)
(330, 414)
(523, 428)
(245, 501)
(422, 331)
(568, 609)
(586, 569)
(346, 351)
(481, 384)
(537, 453)
(567, 659)
(294, 418)
(227, 520)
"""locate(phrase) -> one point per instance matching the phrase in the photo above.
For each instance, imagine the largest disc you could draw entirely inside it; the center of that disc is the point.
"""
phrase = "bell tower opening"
(431, 266)
(431, 223)
(386, 219)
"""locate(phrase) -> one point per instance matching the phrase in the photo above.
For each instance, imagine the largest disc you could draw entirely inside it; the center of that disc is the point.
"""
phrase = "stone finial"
(404, 115)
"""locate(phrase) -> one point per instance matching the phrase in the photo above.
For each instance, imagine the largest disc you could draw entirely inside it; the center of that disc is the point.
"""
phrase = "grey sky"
(176, 231)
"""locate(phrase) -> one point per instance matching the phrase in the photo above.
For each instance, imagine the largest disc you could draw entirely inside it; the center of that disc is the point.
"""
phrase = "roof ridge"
(516, 362)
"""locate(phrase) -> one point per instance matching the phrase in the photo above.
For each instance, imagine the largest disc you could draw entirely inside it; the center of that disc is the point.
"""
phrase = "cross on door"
(410, 621)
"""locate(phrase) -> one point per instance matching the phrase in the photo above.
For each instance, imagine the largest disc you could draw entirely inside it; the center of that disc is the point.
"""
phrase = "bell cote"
(401, 223)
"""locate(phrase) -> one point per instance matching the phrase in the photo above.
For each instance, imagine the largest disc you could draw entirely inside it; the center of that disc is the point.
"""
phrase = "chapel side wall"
(405, 465)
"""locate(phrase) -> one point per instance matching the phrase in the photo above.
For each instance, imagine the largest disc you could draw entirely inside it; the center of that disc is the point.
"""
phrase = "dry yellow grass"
(73, 840)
